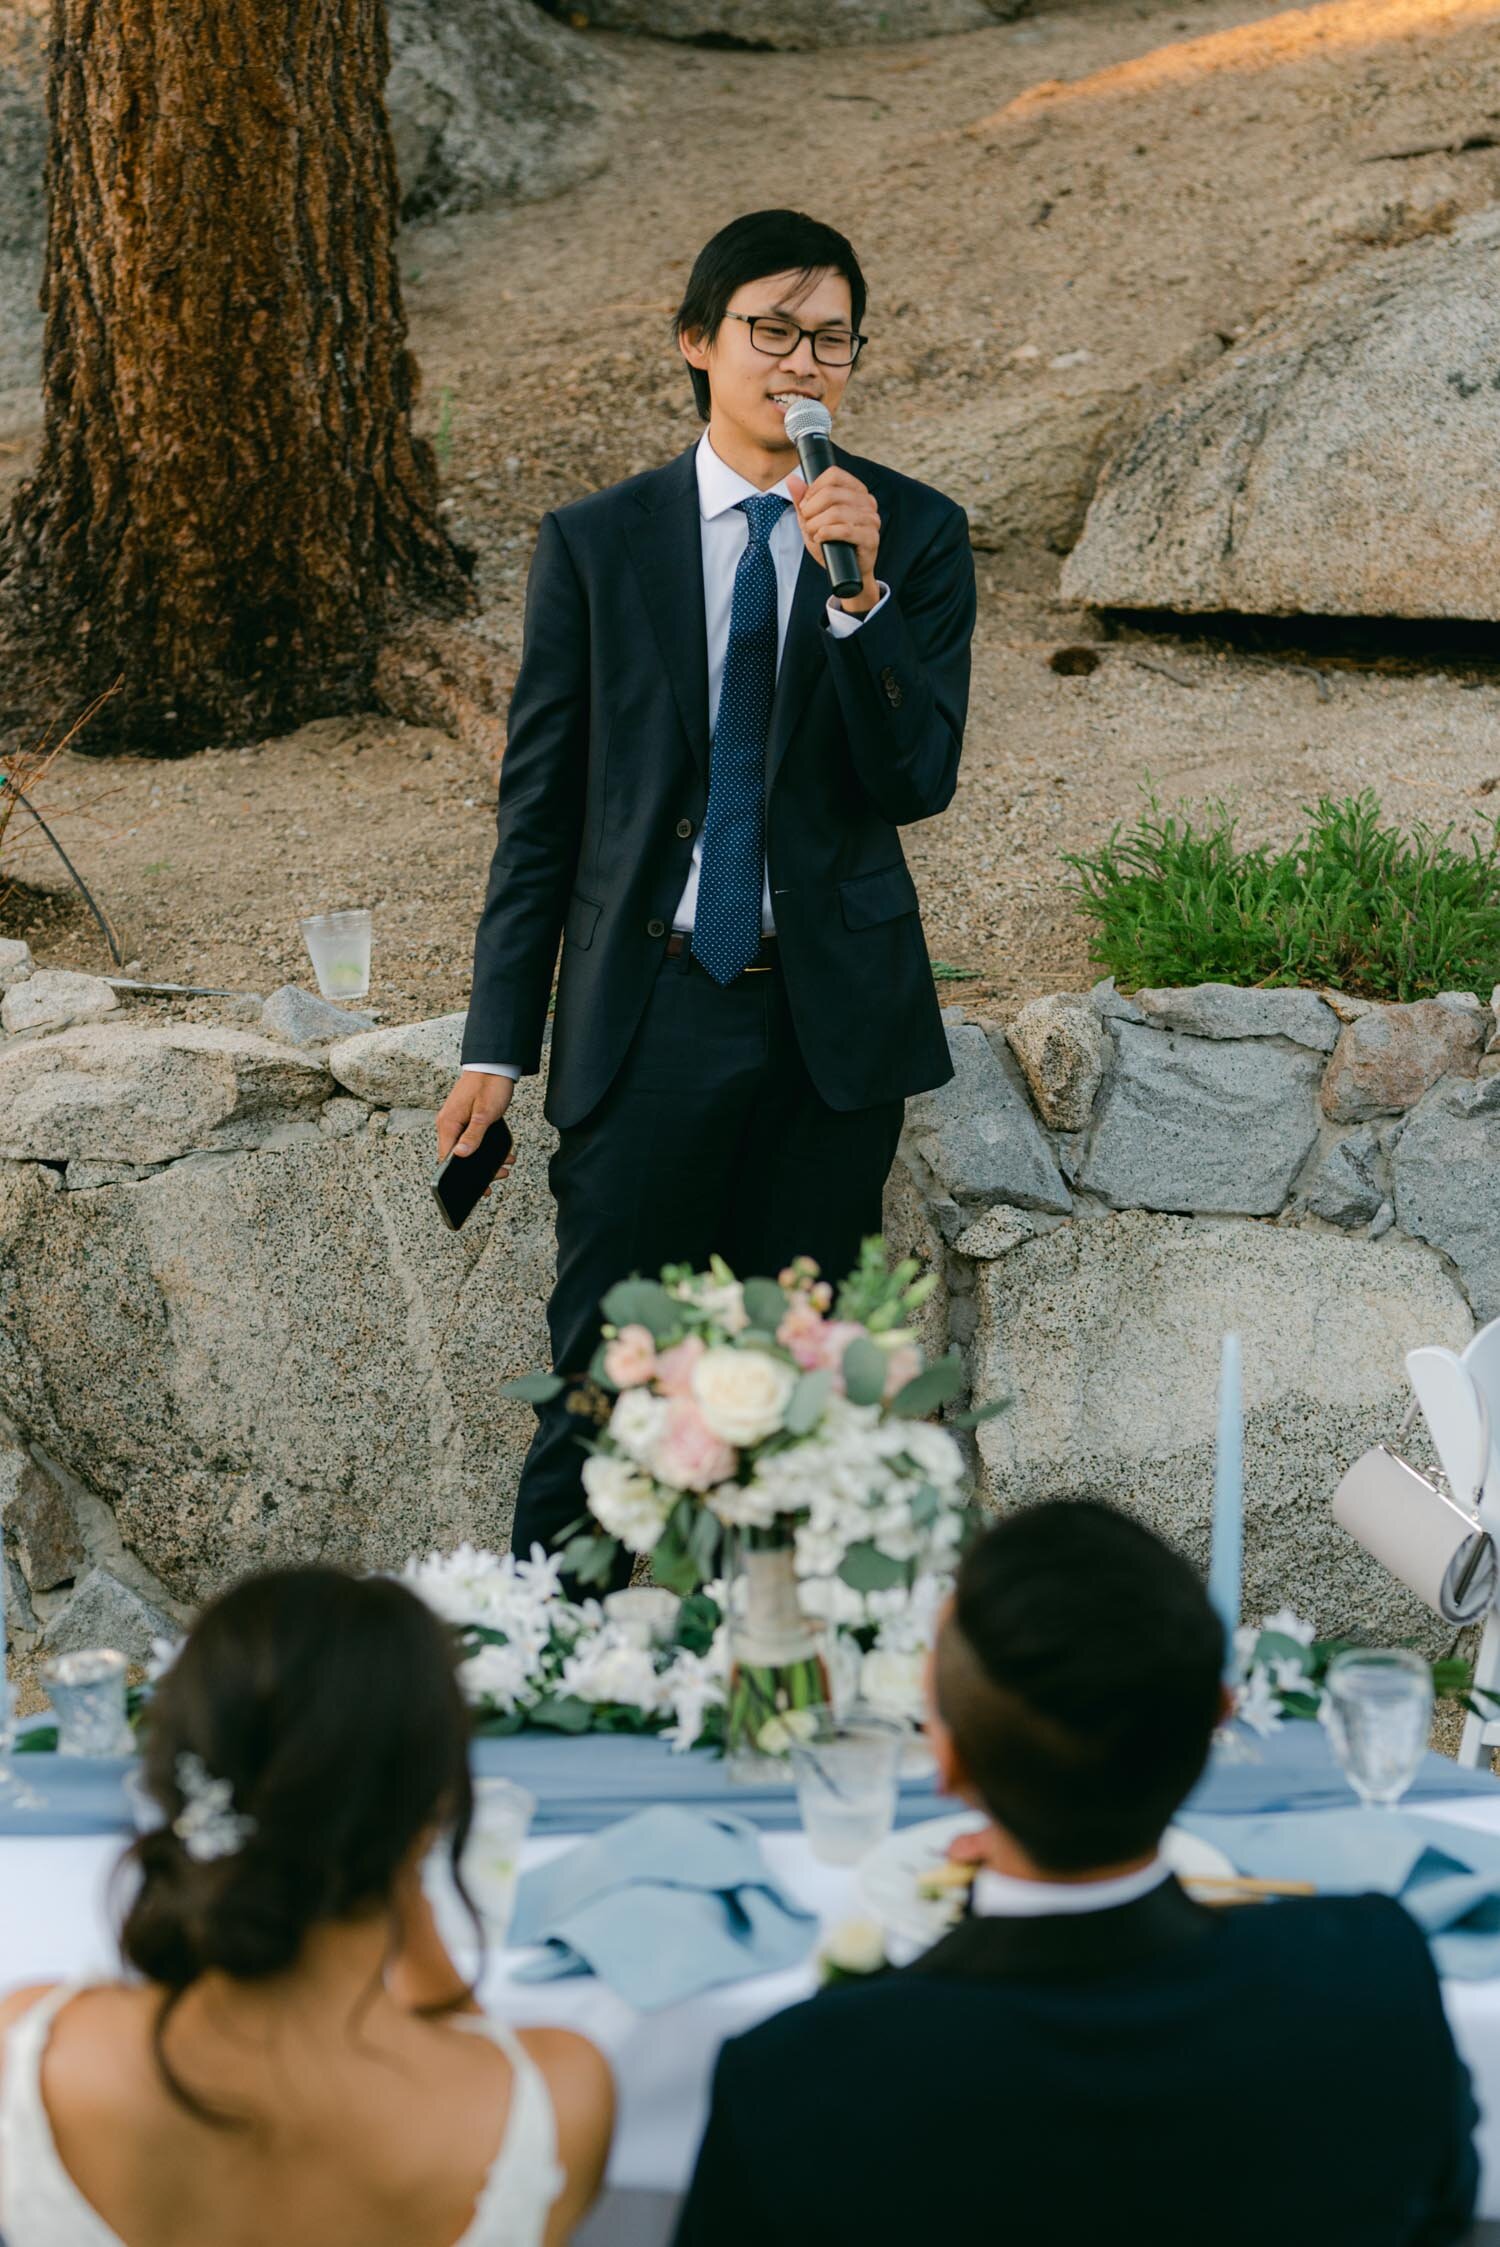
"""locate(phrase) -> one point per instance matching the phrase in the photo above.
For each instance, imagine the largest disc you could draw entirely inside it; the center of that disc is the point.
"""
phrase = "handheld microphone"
(808, 425)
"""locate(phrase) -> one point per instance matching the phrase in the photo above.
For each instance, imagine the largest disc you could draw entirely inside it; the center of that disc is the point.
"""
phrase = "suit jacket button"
(892, 687)
(684, 828)
(656, 928)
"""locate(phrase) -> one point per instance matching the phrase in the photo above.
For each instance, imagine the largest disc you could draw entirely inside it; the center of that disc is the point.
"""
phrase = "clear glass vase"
(778, 1654)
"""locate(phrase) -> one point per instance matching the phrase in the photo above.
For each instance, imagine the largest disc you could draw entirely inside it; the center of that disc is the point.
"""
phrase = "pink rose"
(674, 1368)
(689, 1456)
(837, 1336)
(902, 1364)
(630, 1359)
(801, 1332)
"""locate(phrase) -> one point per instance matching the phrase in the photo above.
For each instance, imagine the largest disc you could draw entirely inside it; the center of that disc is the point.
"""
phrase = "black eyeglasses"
(778, 338)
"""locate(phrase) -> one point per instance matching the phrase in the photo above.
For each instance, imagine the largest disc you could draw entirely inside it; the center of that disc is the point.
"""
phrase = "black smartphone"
(461, 1179)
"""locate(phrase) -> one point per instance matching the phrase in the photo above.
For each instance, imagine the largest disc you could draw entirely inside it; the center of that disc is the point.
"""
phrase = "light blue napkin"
(661, 1907)
(1447, 1877)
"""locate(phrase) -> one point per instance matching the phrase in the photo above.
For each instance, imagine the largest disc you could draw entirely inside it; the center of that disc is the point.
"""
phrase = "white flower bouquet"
(767, 1429)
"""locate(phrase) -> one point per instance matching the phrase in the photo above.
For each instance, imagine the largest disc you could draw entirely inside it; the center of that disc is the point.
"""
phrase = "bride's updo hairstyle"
(323, 1711)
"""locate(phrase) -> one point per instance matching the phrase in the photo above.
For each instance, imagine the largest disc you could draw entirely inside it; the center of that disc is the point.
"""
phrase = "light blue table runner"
(583, 1784)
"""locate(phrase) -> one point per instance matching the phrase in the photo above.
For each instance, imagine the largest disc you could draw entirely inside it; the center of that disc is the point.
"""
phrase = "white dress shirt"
(1001, 1896)
(725, 534)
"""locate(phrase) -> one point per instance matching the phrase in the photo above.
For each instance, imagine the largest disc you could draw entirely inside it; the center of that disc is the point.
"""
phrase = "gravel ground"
(1113, 187)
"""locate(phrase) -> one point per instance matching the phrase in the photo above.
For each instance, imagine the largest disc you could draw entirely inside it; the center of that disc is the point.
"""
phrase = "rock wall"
(234, 1331)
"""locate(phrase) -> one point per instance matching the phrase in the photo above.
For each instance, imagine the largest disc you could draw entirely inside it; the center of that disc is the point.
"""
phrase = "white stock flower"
(499, 1677)
(743, 1394)
(1256, 1704)
(625, 1503)
(743, 1505)
(636, 1423)
(611, 1668)
(1287, 1625)
(692, 1686)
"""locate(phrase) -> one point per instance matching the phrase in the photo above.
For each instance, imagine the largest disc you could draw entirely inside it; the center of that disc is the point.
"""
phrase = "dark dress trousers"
(759, 1119)
(1157, 2074)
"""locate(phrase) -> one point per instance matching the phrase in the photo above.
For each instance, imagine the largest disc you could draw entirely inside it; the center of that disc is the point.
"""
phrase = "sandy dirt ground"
(1117, 188)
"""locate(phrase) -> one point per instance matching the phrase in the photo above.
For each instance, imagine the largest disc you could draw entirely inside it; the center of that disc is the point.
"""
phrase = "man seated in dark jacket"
(1090, 2056)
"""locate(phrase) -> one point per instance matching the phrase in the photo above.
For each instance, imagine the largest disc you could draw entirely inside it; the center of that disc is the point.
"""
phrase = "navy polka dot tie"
(731, 872)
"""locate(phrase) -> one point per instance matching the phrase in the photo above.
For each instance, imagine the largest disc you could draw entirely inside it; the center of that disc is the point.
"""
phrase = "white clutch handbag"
(1413, 1528)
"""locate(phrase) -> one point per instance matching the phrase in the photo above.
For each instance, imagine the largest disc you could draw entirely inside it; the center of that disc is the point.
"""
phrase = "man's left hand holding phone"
(475, 1150)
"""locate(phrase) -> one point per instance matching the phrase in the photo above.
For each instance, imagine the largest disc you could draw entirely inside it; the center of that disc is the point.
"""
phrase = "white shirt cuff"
(493, 1069)
(841, 623)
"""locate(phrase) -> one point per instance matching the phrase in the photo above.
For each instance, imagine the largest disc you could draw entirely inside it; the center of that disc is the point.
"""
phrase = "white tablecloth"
(54, 1925)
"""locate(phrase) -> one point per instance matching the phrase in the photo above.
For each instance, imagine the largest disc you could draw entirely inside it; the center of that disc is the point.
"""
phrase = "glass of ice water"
(492, 1854)
(87, 1692)
(1377, 1707)
(338, 944)
(846, 1769)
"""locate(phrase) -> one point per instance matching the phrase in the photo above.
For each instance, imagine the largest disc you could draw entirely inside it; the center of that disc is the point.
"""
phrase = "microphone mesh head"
(807, 419)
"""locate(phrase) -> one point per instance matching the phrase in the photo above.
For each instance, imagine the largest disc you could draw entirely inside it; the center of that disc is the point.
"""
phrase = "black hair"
(1078, 1674)
(330, 1706)
(748, 249)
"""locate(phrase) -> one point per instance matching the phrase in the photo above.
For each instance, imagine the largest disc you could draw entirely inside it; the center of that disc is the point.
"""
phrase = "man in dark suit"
(708, 764)
(1090, 2056)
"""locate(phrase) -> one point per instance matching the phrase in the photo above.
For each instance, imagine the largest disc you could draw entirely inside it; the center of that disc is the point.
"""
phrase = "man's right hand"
(471, 1107)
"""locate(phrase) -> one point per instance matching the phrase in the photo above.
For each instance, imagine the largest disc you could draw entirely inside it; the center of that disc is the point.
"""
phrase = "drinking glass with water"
(846, 1770)
(1377, 1707)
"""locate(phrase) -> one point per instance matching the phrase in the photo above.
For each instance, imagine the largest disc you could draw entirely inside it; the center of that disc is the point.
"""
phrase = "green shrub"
(1352, 905)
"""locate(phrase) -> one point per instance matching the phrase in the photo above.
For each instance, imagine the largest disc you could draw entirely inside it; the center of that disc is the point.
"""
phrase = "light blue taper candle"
(1227, 1551)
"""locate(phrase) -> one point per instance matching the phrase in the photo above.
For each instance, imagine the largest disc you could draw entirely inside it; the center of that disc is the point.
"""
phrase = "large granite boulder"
(23, 210)
(1274, 482)
(1190, 1123)
(491, 101)
(1446, 1170)
(978, 1135)
(797, 23)
(112, 1092)
(263, 1357)
(1105, 1336)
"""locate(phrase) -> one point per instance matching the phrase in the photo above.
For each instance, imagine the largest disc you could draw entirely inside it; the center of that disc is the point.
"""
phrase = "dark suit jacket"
(605, 783)
(1271, 2076)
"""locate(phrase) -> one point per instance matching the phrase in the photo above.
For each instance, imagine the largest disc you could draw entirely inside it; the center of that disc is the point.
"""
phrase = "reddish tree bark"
(230, 504)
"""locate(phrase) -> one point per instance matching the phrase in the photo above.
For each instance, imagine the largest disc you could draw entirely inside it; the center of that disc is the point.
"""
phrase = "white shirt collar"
(1002, 1896)
(721, 487)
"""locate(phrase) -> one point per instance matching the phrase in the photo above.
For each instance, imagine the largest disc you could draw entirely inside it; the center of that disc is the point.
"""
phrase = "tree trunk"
(230, 503)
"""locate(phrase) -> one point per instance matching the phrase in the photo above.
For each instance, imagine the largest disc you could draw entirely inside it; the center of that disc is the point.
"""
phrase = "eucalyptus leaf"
(928, 1391)
(703, 1544)
(596, 1367)
(765, 1304)
(646, 1303)
(590, 1559)
(925, 1503)
(974, 1414)
(808, 1402)
(565, 1714)
(864, 1371)
(865, 1568)
(672, 1563)
(534, 1388)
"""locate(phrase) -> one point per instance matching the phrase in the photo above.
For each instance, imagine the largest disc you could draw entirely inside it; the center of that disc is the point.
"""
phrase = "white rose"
(636, 1422)
(891, 1683)
(743, 1394)
(854, 1946)
(496, 1675)
(625, 1503)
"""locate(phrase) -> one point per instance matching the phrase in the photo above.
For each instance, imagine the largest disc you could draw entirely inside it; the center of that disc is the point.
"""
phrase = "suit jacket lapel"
(667, 548)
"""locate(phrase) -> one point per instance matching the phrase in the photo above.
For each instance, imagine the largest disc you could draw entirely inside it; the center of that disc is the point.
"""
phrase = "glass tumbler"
(338, 944)
(1377, 1707)
(87, 1692)
(846, 1769)
(492, 1854)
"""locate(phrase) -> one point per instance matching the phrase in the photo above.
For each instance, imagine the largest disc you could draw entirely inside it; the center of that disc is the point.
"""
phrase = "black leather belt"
(680, 941)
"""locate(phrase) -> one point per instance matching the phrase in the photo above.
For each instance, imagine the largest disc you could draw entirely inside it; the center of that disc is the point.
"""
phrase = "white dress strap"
(40, 2206)
(525, 2176)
